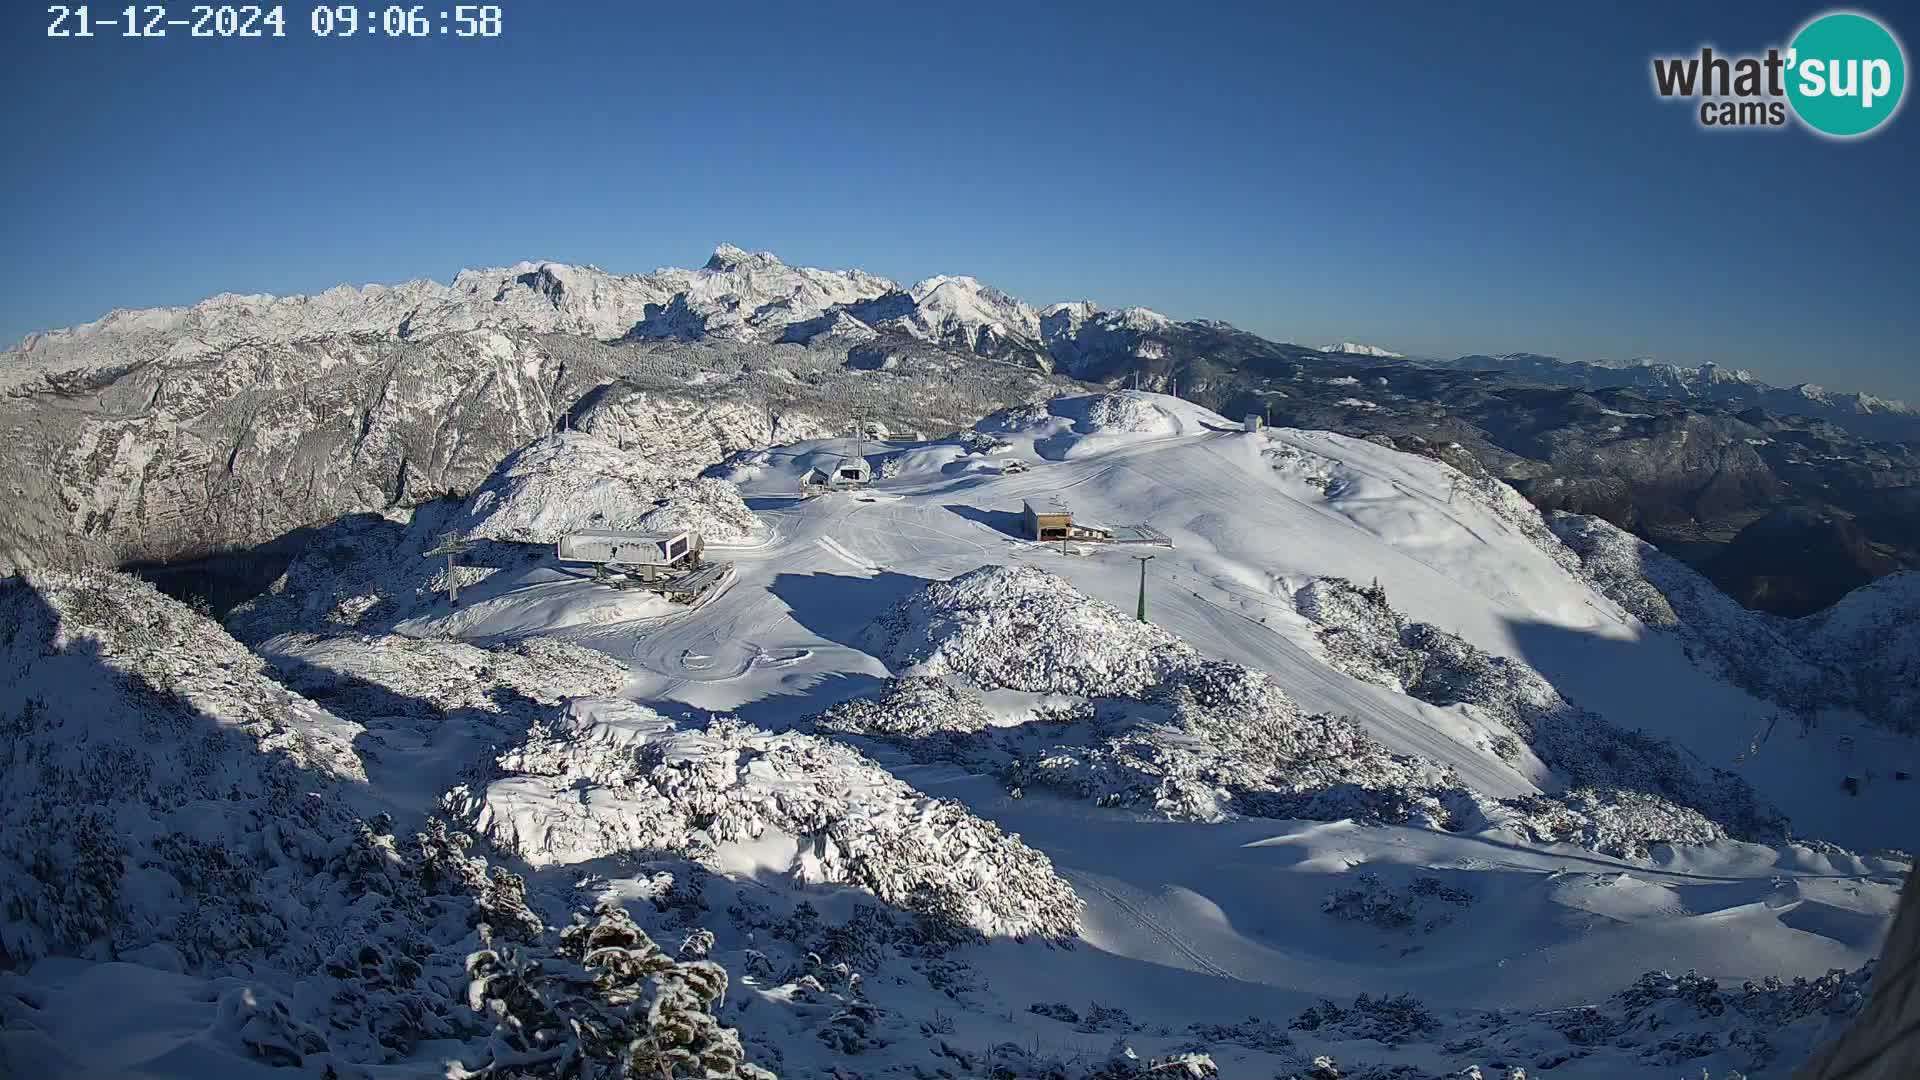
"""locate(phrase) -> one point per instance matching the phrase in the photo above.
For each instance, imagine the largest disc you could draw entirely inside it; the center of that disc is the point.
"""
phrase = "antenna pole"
(1143, 560)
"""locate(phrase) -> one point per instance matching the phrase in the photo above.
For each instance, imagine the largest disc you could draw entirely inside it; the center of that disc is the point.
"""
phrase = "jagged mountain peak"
(732, 257)
(1139, 318)
(1082, 309)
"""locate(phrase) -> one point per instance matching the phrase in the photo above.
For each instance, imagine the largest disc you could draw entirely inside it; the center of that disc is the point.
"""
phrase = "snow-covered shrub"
(1253, 1033)
(1118, 412)
(1426, 903)
(1663, 1022)
(610, 776)
(1015, 418)
(1678, 1018)
(1611, 821)
(1023, 628)
(606, 1002)
(1868, 648)
(1612, 559)
(1392, 1020)
(177, 808)
(1314, 470)
(140, 743)
(929, 717)
(429, 680)
(1277, 763)
(1011, 1061)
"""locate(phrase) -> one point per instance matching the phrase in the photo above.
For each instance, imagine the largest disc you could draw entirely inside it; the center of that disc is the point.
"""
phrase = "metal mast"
(451, 547)
(1143, 560)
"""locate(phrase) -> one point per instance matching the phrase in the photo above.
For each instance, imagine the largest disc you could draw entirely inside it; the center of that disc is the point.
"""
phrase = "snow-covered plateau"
(1395, 778)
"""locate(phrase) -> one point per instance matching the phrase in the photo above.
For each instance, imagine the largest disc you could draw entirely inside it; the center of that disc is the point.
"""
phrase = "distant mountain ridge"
(1354, 348)
(1862, 413)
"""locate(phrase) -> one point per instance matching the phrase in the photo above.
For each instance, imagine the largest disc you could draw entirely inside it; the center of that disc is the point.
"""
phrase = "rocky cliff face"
(177, 458)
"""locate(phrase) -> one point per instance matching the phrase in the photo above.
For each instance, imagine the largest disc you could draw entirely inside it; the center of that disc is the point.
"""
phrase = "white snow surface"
(907, 738)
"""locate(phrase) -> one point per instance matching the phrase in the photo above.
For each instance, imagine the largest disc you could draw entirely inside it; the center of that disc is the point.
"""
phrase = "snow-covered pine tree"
(609, 1003)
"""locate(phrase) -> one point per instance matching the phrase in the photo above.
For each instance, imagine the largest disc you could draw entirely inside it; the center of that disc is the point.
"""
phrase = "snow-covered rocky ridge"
(565, 483)
(167, 434)
(162, 434)
(1864, 413)
(737, 294)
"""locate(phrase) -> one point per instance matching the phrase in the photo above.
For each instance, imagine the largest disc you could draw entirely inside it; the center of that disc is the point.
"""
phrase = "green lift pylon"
(1143, 560)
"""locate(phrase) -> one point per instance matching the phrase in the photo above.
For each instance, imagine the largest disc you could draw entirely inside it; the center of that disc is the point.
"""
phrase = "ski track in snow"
(1091, 883)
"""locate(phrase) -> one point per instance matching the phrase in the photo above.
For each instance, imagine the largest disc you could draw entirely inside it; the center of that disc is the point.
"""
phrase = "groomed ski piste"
(1138, 879)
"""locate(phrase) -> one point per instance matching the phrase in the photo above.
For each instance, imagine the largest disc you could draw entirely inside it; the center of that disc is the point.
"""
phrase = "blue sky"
(1437, 178)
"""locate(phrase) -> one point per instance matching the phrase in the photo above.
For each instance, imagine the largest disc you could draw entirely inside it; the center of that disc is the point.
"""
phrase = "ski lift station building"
(644, 551)
(841, 472)
(1055, 522)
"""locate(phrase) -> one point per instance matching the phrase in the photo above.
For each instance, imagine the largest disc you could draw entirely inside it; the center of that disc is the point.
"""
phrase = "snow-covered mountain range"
(1735, 387)
(158, 435)
(737, 296)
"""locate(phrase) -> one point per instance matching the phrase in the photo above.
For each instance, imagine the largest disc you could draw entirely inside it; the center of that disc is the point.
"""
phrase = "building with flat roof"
(1055, 522)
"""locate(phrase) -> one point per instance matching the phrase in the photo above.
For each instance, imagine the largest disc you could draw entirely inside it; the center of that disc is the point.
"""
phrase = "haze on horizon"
(1440, 182)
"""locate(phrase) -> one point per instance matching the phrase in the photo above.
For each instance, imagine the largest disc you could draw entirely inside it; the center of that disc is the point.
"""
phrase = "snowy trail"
(1240, 903)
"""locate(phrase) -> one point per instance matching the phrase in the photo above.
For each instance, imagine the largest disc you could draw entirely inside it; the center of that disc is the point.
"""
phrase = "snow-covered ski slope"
(1225, 918)
(1253, 517)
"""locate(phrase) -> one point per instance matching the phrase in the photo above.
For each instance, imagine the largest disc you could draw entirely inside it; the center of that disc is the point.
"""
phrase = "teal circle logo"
(1846, 74)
